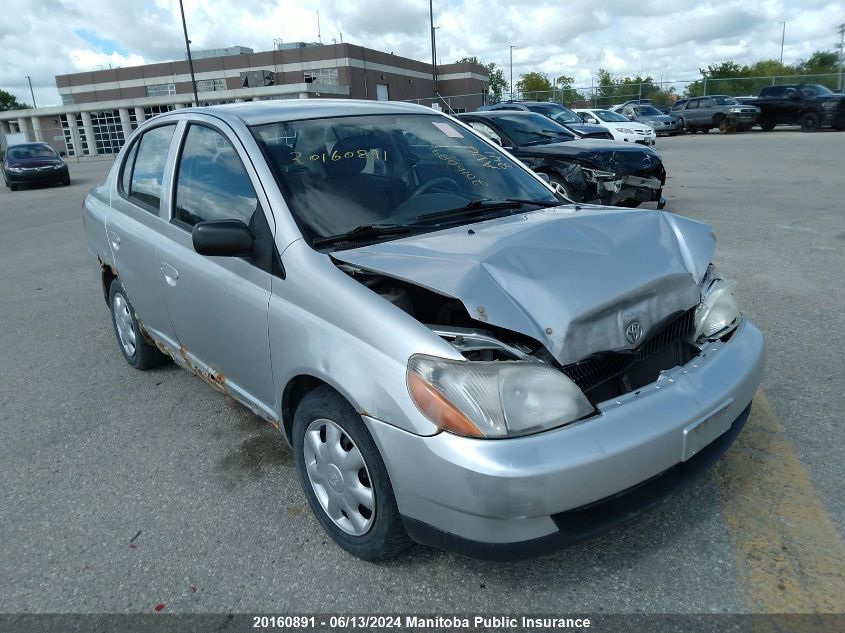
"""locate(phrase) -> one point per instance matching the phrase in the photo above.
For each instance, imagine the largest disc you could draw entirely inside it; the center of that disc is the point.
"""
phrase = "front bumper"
(32, 176)
(515, 498)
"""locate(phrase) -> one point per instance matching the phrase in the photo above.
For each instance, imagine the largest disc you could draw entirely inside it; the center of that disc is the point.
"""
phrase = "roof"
(259, 112)
(497, 114)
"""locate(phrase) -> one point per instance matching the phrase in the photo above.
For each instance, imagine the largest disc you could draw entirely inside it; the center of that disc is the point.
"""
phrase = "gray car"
(701, 114)
(456, 355)
(651, 116)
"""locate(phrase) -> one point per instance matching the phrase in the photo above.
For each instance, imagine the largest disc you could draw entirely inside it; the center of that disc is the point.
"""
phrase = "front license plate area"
(701, 432)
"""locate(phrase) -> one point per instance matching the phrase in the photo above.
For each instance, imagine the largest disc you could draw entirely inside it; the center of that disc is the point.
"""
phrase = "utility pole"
(188, 49)
(33, 94)
(782, 37)
(511, 50)
(433, 53)
(841, 54)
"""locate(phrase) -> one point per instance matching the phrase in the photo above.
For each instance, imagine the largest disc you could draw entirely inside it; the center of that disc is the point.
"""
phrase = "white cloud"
(575, 38)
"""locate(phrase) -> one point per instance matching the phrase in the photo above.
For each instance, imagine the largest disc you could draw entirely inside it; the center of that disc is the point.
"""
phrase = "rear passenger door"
(219, 305)
(134, 231)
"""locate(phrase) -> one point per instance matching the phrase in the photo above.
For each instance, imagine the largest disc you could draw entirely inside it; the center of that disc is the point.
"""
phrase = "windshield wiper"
(484, 205)
(362, 233)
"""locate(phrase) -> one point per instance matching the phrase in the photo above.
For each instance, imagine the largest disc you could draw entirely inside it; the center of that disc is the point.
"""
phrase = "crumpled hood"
(615, 156)
(573, 280)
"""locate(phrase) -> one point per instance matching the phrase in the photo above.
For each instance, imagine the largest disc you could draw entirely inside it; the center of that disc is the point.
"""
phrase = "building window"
(154, 110)
(257, 78)
(322, 77)
(108, 131)
(133, 119)
(161, 90)
(67, 99)
(69, 141)
(211, 85)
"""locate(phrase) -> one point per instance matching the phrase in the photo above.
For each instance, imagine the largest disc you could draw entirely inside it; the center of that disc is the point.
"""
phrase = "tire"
(720, 122)
(705, 130)
(322, 416)
(13, 186)
(767, 127)
(66, 182)
(683, 125)
(134, 347)
(557, 181)
(810, 122)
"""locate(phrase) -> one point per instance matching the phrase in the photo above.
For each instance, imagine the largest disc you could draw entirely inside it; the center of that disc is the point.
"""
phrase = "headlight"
(718, 313)
(493, 399)
(734, 109)
(17, 170)
(829, 105)
(624, 130)
(593, 175)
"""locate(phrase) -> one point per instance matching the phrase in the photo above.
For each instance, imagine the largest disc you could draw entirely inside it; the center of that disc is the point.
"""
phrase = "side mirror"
(590, 119)
(222, 238)
(544, 177)
(793, 96)
(62, 153)
(496, 140)
(630, 117)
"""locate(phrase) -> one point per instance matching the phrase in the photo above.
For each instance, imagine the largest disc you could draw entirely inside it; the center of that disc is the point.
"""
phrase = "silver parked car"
(654, 118)
(456, 355)
(701, 114)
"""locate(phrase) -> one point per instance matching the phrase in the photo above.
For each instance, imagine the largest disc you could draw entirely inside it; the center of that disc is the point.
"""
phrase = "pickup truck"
(811, 106)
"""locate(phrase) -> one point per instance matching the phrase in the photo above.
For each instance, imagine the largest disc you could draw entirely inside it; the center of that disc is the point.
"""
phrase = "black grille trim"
(599, 368)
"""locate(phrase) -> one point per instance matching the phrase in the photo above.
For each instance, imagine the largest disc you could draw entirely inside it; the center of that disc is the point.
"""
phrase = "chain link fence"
(660, 92)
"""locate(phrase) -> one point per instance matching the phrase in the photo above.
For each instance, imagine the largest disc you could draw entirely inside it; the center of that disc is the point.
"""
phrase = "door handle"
(170, 273)
(114, 238)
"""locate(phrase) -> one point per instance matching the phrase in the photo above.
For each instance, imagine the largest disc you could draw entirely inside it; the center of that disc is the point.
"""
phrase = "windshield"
(556, 111)
(533, 129)
(647, 111)
(814, 90)
(342, 173)
(31, 151)
(610, 117)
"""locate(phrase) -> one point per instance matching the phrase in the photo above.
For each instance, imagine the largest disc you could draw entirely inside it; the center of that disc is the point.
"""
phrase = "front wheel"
(767, 127)
(344, 477)
(810, 122)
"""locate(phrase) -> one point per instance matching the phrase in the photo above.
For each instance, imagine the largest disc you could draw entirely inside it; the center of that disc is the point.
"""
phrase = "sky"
(669, 40)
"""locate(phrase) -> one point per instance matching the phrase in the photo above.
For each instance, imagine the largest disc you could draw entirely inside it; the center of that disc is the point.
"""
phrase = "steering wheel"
(433, 183)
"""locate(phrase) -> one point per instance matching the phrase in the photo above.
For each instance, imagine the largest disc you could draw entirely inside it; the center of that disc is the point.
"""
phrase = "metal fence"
(662, 92)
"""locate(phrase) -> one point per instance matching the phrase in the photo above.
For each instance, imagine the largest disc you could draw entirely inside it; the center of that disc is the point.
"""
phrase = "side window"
(148, 169)
(705, 103)
(212, 183)
(693, 104)
(126, 174)
(485, 130)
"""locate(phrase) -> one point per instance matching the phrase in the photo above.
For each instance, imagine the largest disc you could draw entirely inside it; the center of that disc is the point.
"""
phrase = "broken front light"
(718, 313)
(493, 399)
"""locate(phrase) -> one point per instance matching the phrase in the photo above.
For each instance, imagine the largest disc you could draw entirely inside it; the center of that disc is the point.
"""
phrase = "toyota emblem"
(634, 332)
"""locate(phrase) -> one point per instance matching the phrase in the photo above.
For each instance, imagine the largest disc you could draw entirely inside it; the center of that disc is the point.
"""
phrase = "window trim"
(136, 145)
(259, 207)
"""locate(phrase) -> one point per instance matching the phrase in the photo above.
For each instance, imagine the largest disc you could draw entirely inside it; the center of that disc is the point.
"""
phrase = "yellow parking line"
(790, 556)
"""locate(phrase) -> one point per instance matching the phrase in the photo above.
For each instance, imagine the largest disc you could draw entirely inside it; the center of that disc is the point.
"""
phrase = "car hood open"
(572, 278)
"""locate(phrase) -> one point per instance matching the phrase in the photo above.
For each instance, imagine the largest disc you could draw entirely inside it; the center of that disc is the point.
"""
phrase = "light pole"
(433, 60)
(31, 92)
(511, 54)
(782, 37)
(841, 55)
(188, 49)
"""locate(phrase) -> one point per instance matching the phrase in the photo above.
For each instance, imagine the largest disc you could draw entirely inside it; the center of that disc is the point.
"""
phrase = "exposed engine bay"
(600, 376)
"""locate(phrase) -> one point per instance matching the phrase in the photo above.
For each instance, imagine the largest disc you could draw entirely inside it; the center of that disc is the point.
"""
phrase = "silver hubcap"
(123, 321)
(339, 477)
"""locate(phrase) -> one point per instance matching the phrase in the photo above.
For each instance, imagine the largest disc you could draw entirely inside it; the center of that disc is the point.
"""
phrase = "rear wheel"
(767, 126)
(134, 347)
(344, 477)
(810, 122)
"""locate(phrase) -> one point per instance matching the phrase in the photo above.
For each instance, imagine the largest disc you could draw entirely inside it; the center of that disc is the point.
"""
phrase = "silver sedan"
(456, 354)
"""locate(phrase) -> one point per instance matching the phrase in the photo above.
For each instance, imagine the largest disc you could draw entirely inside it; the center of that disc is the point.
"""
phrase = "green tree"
(498, 83)
(8, 101)
(534, 85)
(468, 60)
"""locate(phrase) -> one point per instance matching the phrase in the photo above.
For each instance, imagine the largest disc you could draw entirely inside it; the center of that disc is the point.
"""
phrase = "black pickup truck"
(809, 105)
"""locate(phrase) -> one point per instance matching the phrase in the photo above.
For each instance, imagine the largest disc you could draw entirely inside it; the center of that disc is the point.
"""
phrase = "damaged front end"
(609, 176)
(546, 291)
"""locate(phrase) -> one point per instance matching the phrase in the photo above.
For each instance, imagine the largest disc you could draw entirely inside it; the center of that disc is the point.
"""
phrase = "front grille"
(609, 374)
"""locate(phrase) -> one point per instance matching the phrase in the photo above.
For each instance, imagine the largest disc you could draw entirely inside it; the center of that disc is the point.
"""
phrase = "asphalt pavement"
(122, 490)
